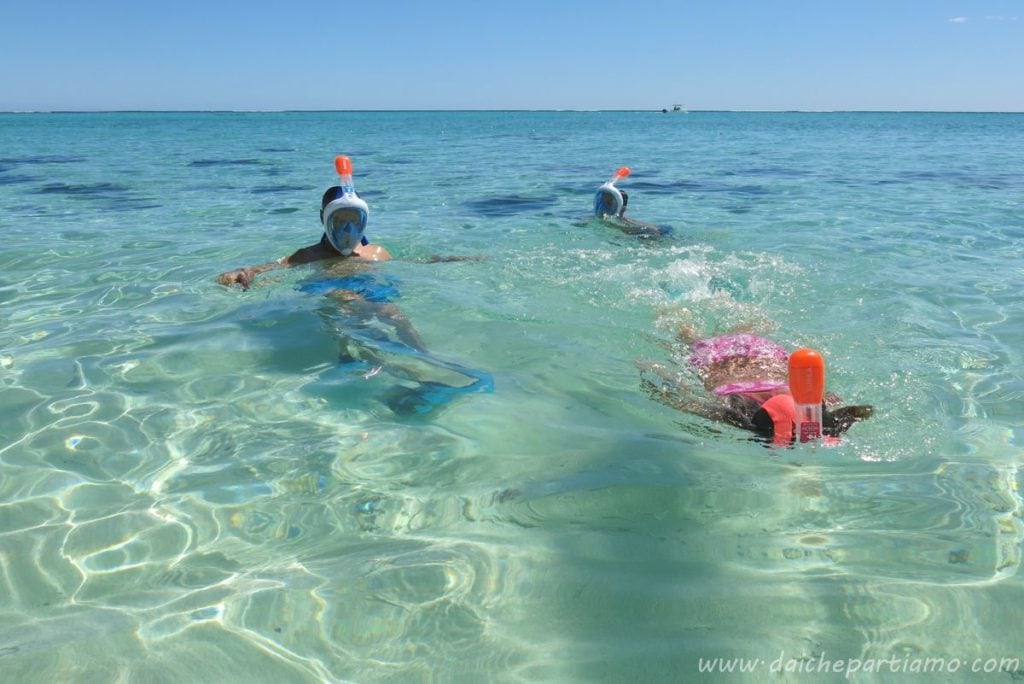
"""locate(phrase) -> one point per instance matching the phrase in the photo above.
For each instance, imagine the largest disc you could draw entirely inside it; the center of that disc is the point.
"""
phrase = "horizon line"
(581, 111)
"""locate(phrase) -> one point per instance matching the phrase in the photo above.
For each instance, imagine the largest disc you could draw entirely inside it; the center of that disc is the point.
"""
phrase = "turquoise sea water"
(192, 488)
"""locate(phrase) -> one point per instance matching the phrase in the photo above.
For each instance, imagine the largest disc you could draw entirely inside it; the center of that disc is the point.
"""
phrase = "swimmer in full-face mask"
(745, 383)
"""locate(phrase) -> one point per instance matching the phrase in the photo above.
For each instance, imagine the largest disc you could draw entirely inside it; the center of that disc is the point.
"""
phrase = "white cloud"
(958, 20)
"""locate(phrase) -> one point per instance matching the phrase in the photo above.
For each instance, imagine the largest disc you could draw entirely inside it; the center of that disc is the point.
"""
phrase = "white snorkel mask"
(345, 216)
(608, 201)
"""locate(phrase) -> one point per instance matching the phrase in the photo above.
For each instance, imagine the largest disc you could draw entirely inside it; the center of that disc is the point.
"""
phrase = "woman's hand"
(241, 276)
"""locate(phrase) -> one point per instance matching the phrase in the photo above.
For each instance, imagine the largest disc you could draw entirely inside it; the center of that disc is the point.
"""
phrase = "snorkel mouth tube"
(345, 216)
(608, 200)
(807, 385)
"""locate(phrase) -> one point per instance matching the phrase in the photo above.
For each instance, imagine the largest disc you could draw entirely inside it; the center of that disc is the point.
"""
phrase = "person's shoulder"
(315, 252)
(373, 252)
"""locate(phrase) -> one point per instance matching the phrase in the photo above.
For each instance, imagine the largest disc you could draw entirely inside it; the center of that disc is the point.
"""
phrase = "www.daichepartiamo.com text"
(822, 664)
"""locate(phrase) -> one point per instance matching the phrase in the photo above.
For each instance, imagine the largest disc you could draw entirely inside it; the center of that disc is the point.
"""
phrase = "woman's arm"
(244, 276)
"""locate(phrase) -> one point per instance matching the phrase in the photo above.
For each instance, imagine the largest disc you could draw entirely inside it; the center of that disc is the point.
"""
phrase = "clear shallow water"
(192, 488)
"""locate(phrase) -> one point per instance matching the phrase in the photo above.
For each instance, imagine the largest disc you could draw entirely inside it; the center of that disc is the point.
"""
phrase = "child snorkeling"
(745, 384)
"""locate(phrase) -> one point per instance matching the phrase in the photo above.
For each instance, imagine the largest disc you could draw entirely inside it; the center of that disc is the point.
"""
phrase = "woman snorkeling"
(610, 204)
(374, 334)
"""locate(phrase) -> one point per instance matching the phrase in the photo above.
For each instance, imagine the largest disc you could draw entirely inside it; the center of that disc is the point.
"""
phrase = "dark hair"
(740, 411)
(746, 413)
(838, 420)
(332, 193)
(834, 421)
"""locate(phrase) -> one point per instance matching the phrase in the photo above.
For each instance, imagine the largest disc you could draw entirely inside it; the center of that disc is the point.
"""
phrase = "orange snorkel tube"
(623, 172)
(343, 167)
(807, 385)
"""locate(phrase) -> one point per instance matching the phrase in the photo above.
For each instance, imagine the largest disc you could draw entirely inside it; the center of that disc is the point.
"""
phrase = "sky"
(947, 55)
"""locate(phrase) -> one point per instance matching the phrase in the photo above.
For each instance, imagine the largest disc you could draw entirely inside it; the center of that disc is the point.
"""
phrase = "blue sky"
(480, 54)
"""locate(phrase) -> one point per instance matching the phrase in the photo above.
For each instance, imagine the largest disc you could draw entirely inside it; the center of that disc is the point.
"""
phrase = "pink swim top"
(713, 350)
(749, 386)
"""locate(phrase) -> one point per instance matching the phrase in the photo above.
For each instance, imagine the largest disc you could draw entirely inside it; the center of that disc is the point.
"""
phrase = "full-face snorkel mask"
(345, 216)
(609, 201)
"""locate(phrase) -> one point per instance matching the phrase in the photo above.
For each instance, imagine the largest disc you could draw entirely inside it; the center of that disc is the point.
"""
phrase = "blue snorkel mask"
(344, 213)
(608, 201)
(345, 223)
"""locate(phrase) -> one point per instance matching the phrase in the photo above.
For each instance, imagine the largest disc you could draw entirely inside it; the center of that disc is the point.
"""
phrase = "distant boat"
(676, 109)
